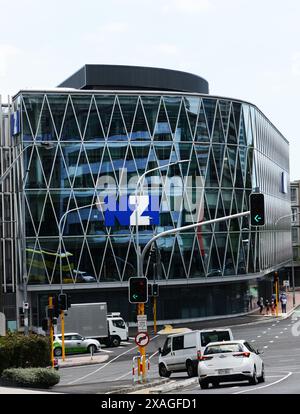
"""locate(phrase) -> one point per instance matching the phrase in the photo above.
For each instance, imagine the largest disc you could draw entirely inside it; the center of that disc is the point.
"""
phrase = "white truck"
(91, 320)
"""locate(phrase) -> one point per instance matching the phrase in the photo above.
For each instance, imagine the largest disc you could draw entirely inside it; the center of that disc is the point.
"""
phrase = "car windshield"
(119, 323)
(223, 348)
(214, 336)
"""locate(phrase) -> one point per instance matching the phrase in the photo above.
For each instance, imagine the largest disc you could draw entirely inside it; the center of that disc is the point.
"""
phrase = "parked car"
(230, 361)
(75, 343)
(181, 352)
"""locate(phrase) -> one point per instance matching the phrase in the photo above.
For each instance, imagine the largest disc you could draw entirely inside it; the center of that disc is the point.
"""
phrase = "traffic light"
(63, 301)
(257, 209)
(138, 290)
(155, 290)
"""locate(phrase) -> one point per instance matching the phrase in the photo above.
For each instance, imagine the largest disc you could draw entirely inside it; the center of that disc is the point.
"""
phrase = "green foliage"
(30, 377)
(19, 351)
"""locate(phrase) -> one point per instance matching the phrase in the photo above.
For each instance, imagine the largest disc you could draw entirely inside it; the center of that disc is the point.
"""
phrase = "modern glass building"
(111, 125)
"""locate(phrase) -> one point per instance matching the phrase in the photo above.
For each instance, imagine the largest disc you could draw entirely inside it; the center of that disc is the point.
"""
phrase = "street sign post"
(142, 339)
(142, 323)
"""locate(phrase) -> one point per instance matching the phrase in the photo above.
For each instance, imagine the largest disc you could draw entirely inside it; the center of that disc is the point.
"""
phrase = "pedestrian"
(260, 303)
(273, 306)
(267, 305)
(283, 301)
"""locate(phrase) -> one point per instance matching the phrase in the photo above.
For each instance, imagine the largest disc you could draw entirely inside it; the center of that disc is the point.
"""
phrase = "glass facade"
(73, 139)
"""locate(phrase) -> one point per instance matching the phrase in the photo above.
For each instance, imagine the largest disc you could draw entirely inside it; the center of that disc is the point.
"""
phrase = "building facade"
(102, 135)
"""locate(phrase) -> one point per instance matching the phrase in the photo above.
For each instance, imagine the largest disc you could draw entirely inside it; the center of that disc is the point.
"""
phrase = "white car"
(230, 361)
(75, 343)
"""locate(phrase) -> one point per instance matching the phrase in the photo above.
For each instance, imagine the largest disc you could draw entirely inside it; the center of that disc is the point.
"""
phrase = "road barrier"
(137, 367)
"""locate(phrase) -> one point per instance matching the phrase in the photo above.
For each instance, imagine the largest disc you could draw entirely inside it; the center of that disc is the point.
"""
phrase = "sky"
(246, 49)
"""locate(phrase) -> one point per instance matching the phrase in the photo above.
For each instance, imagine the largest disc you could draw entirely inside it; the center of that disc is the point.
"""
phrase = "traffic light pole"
(50, 306)
(62, 324)
(184, 228)
(142, 349)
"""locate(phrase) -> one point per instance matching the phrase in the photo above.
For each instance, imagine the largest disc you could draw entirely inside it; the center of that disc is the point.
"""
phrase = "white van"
(181, 352)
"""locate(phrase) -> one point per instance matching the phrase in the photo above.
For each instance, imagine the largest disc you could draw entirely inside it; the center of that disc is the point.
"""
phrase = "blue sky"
(247, 49)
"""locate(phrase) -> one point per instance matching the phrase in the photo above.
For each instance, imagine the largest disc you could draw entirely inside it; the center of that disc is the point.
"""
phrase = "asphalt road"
(275, 337)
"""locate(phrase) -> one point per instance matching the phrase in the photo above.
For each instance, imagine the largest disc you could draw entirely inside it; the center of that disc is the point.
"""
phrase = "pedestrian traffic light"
(155, 290)
(138, 290)
(257, 209)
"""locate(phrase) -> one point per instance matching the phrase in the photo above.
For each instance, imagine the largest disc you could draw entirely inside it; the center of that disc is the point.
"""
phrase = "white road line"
(105, 365)
(259, 336)
(265, 386)
(276, 337)
(130, 372)
(264, 332)
(253, 340)
(281, 332)
(271, 342)
(266, 346)
(273, 324)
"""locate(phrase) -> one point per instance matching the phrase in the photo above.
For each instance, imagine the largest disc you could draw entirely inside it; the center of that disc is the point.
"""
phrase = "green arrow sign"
(257, 218)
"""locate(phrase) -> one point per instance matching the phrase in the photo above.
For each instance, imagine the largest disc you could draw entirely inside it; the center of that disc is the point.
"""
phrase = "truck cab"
(117, 329)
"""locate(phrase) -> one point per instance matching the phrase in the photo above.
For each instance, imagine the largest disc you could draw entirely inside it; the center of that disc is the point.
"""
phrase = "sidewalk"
(289, 306)
(82, 360)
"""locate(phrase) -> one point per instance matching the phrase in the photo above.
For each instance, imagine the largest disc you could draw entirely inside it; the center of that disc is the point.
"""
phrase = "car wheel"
(203, 385)
(190, 369)
(254, 380)
(163, 372)
(92, 348)
(262, 377)
(115, 341)
(58, 352)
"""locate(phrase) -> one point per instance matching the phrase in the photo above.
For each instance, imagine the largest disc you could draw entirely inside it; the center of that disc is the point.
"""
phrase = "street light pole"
(141, 306)
(184, 228)
(60, 267)
(139, 185)
(22, 230)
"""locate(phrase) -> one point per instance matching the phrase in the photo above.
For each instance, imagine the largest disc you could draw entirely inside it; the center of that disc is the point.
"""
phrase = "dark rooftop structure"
(110, 77)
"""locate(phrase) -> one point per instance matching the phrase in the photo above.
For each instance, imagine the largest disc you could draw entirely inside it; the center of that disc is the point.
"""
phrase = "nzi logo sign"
(129, 209)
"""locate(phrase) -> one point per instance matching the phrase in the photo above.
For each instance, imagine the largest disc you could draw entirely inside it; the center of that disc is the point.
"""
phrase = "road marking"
(271, 342)
(126, 343)
(273, 324)
(105, 365)
(265, 386)
(265, 332)
(130, 372)
(269, 328)
(266, 346)
(285, 329)
(276, 337)
(259, 336)
(253, 340)
(107, 352)
(281, 332)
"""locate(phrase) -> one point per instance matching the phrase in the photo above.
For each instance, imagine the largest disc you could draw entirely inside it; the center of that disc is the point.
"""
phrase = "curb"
(139, 387)
(83, 363)
(176, 386)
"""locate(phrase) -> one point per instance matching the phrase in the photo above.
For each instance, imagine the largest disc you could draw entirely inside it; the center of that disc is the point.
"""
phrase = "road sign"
(142, 323)
(142, 339)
